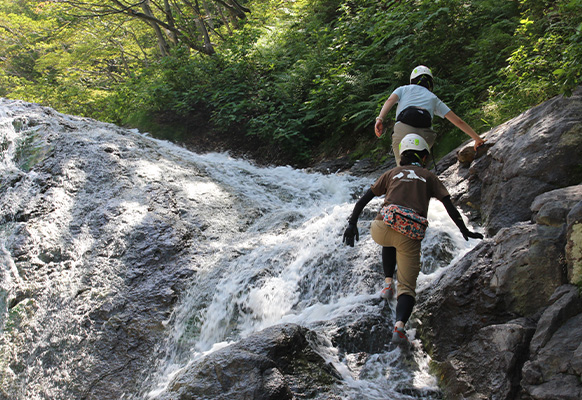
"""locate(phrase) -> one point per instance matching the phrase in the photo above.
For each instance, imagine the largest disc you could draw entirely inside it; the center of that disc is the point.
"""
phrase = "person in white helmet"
(408, 189)
(417, 105)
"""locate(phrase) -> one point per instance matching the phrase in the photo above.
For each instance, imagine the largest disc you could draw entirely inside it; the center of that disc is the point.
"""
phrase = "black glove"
(350, 232)
(473, 235)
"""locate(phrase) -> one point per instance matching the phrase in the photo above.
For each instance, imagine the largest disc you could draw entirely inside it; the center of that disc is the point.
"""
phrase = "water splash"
(289, 266)
(271, 253)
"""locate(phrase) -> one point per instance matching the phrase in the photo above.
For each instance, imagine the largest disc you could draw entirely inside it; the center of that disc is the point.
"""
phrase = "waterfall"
(289, 265)
(268, 250)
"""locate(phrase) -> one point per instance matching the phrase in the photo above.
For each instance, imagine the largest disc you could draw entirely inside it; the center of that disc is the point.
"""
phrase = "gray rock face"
(504, 322)
(487, 367)
(98, 248)
(553, 370)
(532, 154)
(574, 245)
(275, 364)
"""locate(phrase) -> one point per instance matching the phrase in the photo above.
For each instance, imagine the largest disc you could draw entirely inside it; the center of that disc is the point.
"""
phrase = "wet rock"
(554, 368)
(512, 325)
(363, 167)
(574, 245)
(369, 334)
(333, 166)
(527, 156)
(275, 364)
(487, 367)
(367, 167)
(95, 240)
(438, 250)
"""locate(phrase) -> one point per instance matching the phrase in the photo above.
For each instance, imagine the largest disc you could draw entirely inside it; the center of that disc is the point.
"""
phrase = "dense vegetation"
(297, 79)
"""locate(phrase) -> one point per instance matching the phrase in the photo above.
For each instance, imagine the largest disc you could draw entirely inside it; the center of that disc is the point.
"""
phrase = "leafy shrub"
(308, 76)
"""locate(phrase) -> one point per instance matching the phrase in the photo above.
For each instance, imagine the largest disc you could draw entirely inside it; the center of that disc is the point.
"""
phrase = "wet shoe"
(399, 336)
(388, 291)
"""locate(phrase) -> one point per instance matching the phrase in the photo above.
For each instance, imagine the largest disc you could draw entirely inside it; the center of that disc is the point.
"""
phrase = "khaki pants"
(407, 255)
(401, 129)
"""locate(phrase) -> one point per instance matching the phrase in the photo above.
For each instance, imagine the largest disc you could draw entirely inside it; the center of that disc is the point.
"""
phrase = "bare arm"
(393, 99)
(462, 125)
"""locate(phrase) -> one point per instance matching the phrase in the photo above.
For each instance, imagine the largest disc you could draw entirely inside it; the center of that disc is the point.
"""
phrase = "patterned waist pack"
(404, 220)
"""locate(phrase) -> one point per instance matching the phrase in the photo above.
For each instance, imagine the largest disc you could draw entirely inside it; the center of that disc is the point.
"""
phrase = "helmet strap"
(421, 164)
(424, 78)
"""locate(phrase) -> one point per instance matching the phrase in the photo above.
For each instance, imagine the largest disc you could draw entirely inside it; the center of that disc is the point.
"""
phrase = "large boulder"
(487, 367)
(277, 363)
(509, 276)
(98, 246)
(554, 368)
(504, 321)
(534, 153)
(521, 358)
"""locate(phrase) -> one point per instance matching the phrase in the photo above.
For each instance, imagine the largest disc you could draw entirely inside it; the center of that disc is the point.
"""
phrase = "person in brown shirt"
(410, 185)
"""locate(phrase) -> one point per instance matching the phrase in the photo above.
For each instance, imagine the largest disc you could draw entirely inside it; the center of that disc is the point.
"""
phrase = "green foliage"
(547, 59)
(307, 76)
(60, 60)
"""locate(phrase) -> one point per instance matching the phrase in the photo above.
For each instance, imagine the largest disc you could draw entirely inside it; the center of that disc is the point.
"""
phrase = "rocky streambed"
(132, 268)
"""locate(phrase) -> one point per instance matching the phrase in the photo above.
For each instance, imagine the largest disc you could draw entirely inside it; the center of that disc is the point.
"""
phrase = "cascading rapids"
(290, 265)
(272, 253)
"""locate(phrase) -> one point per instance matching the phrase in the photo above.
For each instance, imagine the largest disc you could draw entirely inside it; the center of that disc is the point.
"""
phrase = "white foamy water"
(271, 253)
(290, 265)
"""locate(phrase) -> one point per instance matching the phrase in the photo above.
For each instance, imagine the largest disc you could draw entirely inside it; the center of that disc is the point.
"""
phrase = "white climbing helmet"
(412, 141)
(420, 70)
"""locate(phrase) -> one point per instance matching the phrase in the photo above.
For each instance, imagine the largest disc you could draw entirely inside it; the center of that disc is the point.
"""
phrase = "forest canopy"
(303, 78)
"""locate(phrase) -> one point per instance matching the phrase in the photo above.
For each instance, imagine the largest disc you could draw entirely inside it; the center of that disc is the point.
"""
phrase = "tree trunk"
(201, 26)
(209, 49)
(162, 43)
(209, 13)
(224, 20)
(170, 18)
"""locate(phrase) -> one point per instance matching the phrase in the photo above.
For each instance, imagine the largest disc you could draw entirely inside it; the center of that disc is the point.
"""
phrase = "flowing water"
(273, 254)
(289, 265)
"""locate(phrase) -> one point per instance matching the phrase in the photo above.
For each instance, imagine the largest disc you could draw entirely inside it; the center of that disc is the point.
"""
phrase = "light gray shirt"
(419, 96)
